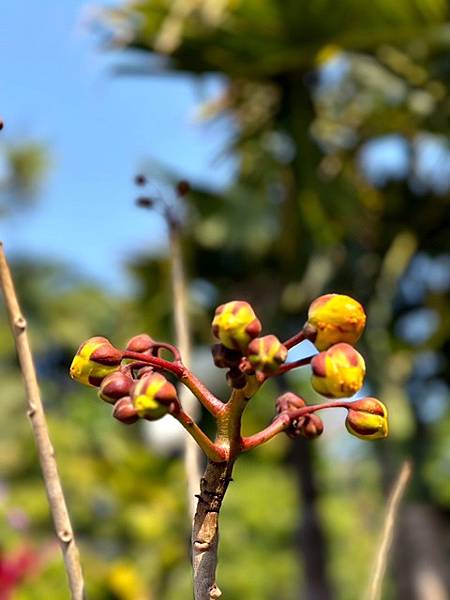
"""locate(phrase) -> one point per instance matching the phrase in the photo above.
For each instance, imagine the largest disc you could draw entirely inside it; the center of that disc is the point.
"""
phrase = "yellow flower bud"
(266, 353)
(95, 359)
(335, 318)
(235, 324)
(367, 419)
(153, 396)
(338, 372)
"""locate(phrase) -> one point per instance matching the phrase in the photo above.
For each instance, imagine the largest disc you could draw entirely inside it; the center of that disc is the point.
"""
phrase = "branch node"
(214, 592)
(20, 324)
(65, 536)
(202, 546)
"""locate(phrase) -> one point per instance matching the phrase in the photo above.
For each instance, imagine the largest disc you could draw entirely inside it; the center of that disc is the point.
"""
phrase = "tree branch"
(44, 446)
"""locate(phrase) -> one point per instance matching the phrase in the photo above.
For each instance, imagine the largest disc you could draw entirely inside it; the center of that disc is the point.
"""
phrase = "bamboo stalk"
(46, 453)
(393, 505)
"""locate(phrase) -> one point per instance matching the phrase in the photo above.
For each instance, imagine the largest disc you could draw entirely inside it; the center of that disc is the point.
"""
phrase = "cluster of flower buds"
(335, 323)
(240, 349)
(132, 380)
(135, 389)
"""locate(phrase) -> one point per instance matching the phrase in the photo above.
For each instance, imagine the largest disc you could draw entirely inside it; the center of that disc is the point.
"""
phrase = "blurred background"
(315, 136)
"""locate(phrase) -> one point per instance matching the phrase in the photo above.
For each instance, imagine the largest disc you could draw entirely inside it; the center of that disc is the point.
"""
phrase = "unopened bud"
(334, 318)
(338, 372)
(289, 401)
(145, 202)
(140, 179)
(312, 427)
(183, 187)
(224, 358)
(140, 343)
(235, 324)
(266, 353)
(125, 412)
(95, 359)
(236, 379)
(367, 419)
(153, 395)
(115, 386)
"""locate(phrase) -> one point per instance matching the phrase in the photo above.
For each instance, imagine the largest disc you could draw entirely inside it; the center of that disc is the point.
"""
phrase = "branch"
(183, 374)
(212, 451)
(205, 532)
(279, 424)
(44, 446)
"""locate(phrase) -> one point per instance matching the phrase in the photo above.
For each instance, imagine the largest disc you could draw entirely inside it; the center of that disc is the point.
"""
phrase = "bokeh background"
(315, 138)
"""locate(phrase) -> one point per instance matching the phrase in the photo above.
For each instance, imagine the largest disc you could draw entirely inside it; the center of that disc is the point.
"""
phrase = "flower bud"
(125, 412)
(115, 386)
(224, 358)
(288, 401)
(236, 379)
(266, 353)
(334, 318)
(312, 427)
(367, 419)
(153, 396)
(235, 324)
(338, 372)
(95, 359)
(140, 343)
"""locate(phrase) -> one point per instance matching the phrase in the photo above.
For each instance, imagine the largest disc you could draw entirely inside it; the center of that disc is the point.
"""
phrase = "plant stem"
(44, 446)
(183, 339)
(393, 505)
(181, 372)
(279, 424)
(200, 439)
(205, 532)
(294, 340)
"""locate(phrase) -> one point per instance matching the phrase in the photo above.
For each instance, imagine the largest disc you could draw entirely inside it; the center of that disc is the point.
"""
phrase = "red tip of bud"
(140, 343)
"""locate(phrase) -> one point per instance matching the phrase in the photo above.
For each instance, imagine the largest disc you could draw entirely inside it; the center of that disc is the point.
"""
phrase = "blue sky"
(57, 87)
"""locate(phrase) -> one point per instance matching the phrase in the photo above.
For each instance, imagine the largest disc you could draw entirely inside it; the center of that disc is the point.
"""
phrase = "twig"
(188, 401)
(376, 581)
(44, 446)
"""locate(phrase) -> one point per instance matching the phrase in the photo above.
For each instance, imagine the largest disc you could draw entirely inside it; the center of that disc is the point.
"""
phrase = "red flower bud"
(140, 343)
(115, 386)
(125, 412)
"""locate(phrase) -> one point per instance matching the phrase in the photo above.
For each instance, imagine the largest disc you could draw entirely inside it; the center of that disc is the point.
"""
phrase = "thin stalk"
(393, 505)
(46, 453)
(192, 455)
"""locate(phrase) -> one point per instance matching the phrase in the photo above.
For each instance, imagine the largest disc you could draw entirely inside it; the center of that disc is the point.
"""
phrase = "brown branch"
(44, 446)
(205, 532)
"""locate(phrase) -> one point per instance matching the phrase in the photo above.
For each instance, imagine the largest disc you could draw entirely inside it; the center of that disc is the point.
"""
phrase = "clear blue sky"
(57, 87)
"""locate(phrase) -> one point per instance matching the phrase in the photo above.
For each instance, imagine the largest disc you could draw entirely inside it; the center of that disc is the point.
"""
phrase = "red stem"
(181, 372)
(301, 362)
(294, 340)
(284, 420)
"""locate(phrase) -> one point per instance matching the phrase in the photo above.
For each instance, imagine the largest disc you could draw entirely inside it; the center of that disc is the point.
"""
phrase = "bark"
(205, 532)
